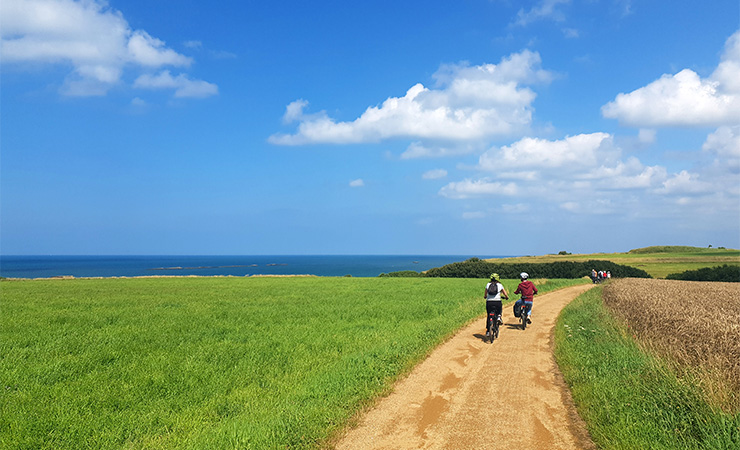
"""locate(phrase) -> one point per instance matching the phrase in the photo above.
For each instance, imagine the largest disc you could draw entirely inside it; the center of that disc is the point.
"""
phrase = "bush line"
(477, 268)
(726, 273)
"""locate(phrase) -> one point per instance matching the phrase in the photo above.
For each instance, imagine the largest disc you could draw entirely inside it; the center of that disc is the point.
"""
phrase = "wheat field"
(696, 325)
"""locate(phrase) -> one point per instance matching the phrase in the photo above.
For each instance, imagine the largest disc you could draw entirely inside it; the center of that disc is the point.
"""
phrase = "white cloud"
(587, 174)
(148, 51)
(725, 143)
(357, 183)
(183, 86)
(477, 188)
(545, 9)
(685, 183)
(294, 111)
(570, 153)
(685, 99)
(434, 174)
(93, 38)
(469, 103)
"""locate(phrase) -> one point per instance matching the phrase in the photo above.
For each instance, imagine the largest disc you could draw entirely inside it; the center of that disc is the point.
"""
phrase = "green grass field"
(213, 362)
(657, 261)
(628, 398)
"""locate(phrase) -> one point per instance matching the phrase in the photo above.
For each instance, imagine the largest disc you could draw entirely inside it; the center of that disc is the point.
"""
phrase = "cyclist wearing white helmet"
(493, 294)
(527, 289)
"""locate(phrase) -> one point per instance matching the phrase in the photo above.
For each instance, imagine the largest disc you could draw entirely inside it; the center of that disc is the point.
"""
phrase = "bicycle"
(492, 327)
(524, 317)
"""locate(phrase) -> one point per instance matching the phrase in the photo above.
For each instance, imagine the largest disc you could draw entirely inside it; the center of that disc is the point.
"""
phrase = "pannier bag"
(517, 309)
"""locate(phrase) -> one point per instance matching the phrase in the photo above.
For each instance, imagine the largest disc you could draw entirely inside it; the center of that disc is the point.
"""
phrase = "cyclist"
(528, 290)
(495, 291)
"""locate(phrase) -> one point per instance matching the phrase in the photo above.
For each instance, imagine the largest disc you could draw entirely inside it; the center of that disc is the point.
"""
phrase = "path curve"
(467, 394)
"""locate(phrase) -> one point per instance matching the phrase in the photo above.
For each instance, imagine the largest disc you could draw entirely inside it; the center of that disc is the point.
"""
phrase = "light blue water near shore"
(132, 266)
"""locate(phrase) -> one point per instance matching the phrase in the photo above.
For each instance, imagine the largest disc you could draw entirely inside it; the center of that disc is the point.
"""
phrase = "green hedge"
(475, 268)
(403, 274)
(720, 273)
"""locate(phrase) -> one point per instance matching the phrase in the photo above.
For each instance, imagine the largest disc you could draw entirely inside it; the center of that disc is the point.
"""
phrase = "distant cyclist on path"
(528, 290)
(495, 291)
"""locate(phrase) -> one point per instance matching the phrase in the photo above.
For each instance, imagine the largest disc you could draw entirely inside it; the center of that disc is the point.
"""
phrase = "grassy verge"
(212, 362)
(628, 398)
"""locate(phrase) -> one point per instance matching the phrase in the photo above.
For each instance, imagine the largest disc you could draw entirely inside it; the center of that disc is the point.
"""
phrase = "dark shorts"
(494, 307)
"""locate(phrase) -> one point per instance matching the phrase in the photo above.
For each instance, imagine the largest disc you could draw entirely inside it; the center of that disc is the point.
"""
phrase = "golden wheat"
(694, 324)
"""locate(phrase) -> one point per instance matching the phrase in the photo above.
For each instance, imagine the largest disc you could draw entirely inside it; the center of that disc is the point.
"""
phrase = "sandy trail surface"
(469, 394)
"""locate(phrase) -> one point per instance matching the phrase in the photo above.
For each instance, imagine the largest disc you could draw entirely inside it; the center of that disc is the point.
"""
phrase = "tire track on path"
(469, 394)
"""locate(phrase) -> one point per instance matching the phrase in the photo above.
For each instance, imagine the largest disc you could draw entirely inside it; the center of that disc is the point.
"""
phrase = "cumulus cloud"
(357, 183)
(587, 174)
(569, 153)
(685, 99)
(685, 183)
(93, 38)
(468, 103)
(725, 143)
(294, 111)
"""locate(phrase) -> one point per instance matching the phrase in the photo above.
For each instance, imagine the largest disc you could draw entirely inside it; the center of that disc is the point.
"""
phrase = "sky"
(473, 127)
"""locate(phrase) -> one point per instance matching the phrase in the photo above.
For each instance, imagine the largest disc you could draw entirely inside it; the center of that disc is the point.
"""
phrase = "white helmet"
(524, 275)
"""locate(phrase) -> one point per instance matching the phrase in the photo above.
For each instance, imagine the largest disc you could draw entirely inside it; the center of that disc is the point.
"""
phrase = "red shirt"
(527, 289)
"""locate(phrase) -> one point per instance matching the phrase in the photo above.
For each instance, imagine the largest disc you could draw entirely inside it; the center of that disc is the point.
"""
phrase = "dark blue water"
(132, 266)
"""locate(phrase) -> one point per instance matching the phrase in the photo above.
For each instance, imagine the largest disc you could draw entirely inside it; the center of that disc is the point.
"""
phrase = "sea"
(136, 266)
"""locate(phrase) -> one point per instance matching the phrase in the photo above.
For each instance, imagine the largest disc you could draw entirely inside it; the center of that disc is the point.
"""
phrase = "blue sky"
(481, 127)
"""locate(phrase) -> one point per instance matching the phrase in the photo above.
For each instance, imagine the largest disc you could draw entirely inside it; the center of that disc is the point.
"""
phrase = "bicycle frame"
(492, 326)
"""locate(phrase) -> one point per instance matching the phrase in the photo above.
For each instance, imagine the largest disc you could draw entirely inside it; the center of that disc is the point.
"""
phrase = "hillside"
(658, 261)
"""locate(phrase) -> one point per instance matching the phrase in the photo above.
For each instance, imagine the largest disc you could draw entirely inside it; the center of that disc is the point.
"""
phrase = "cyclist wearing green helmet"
(493, 294)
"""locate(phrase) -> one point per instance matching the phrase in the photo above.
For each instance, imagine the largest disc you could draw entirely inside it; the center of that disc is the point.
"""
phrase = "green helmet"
(494, 276)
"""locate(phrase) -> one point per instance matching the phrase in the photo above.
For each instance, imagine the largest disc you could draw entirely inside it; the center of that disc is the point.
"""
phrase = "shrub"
(402, 274)
(720, 273)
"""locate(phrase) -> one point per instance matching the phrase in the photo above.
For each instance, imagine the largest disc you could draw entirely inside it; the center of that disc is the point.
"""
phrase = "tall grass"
(629, 398)
(212, 362)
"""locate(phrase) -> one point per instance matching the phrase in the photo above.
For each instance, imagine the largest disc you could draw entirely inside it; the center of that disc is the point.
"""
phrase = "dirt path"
(467, 394)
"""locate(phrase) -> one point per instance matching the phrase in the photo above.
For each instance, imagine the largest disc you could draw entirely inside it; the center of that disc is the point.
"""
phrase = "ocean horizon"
(107, 266)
